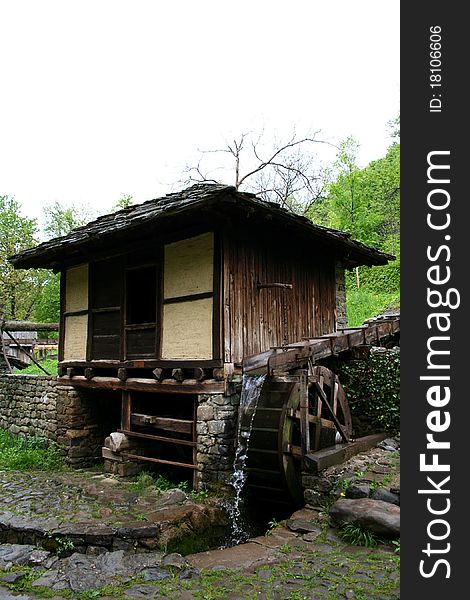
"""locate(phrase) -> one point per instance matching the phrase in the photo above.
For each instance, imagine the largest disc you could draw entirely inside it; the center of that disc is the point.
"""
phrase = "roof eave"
(53, 254)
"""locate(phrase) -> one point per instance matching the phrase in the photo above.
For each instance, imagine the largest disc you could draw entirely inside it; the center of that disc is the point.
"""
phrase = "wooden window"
(106, 298)
(141, 312)
(141, 288)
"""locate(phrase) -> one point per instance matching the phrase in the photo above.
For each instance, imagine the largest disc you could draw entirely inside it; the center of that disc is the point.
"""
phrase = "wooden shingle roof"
(109, 229)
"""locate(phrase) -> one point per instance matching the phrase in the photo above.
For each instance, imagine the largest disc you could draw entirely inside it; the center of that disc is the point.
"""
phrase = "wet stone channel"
(89, 512)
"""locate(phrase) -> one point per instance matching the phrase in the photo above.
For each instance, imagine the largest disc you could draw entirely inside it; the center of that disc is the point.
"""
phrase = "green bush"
(380, 279)
(379, 289)
(363, 304)
(372, 387)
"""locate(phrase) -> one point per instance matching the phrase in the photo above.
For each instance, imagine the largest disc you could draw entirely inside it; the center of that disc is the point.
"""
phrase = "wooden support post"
(304, 424)
(194, 440)
(334, 393)
(316, 445)
(126, 409)
(71, 372)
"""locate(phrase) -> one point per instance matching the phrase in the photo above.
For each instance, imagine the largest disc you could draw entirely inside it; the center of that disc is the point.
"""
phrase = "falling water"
(251, 391)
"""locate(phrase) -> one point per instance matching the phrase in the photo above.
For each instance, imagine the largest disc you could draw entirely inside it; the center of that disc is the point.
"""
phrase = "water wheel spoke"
(332, 412)
(294, 418)
(334, 390)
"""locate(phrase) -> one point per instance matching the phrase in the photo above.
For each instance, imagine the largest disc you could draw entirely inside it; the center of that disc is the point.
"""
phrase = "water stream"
(251, 391)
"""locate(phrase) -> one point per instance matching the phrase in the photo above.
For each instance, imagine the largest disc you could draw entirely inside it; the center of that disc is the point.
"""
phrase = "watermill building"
(166, 305)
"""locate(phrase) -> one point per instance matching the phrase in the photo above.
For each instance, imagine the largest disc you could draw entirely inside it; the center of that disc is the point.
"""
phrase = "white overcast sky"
(101, 98)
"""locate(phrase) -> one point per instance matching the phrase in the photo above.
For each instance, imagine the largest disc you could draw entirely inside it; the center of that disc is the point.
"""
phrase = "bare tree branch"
(289, 172)
(199, 175)
(264, 163)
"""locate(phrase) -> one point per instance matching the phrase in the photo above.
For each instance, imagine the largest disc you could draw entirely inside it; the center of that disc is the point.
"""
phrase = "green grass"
(364, 304)
(160, 483)
(296, 576)
(49, 365)
(22, 453)
(355, 534)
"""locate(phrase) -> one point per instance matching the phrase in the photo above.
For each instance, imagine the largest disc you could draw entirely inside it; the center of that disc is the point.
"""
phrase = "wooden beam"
(159, 460)
(334, 418)
(295, 414)
(257, 362)
(207, 386)
(157, 438)
(335, 455)
(174, 425)
(28, 326)
(304, 423)
(318, 347)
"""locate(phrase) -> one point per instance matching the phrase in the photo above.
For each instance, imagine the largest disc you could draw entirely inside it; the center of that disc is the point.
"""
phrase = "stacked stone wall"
(216, 432)
(40, 406)
(79, 421)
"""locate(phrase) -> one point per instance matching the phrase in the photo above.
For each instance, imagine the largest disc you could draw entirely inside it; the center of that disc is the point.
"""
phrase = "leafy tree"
(381, 180)
(47, 307)
(18, 288)
(125, 201)
(60, 220)
(394, 128)
(346, 206)
(364, 202)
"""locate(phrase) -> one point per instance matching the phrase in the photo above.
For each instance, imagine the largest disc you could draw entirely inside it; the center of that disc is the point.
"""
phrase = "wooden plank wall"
(253, 318)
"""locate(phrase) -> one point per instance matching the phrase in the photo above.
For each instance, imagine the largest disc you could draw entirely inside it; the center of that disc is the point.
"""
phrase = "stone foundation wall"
(40, 406)
(79, 421)
(28, 405)
(216, 431)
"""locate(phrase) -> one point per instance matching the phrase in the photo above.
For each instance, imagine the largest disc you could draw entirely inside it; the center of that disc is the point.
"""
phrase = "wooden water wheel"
(296, 416)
